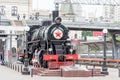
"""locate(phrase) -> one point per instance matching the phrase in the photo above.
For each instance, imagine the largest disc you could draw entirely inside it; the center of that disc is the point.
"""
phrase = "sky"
(88, 10)
(43, 4)
(92, 10)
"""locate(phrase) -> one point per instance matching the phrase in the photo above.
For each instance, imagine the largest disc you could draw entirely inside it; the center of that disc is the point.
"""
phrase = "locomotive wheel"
(45, 64)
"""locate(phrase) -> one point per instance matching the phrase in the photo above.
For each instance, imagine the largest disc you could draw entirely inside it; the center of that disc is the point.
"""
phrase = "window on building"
(14, 11)
(75, 36)
(2, 10)
(13, 50)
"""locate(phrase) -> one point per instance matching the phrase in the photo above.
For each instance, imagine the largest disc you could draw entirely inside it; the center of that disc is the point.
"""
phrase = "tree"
(85, 34)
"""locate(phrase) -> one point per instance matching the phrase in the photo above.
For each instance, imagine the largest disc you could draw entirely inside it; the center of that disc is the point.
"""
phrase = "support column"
(10, 58)
(114, 51)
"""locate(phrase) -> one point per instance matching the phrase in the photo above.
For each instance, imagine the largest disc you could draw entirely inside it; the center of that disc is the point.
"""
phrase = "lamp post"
(3, 39)
(104, 67)
(25, 70)
(10, 59)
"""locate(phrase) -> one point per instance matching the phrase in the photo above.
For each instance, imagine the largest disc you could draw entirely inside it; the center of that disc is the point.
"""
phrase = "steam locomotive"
(56, 49)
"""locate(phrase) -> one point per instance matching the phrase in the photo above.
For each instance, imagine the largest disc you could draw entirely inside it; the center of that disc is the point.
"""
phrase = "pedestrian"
(36, 54)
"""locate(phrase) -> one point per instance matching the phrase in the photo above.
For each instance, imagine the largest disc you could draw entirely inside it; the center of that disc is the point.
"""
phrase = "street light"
(3, 39)
(57, 6)
(25, 70)
(104, 67)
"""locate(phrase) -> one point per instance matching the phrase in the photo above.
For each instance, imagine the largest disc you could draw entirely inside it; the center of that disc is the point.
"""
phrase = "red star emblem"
(58, 33)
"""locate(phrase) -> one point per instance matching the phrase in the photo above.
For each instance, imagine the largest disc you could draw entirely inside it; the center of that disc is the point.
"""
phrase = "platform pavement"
(9, 74)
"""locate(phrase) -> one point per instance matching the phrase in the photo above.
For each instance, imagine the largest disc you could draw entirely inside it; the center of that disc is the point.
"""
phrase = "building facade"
(117, 14)
(16, 9)
(111, 13)
(70, 11)
(106, 12)
(75, 34)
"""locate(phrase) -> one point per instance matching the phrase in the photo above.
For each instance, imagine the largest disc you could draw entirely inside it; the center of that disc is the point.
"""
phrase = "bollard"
(92, 72)
(15, 67)
(119, 71)
(80, 64)
(31, 72)
(93, 66)
(21, 68)
(11, 66)
(8, 65)
(61, 72)
(87, 66)
(18, 68)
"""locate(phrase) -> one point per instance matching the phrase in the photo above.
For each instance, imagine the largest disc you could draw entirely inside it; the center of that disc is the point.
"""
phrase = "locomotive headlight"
(71, 50)
(50, 49)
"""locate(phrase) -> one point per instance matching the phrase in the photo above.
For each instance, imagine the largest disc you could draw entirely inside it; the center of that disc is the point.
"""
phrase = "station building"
(23, 11)
(15, 8)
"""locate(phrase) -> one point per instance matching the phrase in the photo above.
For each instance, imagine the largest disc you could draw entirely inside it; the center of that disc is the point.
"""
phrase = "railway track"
(99, 62)
(96, 55)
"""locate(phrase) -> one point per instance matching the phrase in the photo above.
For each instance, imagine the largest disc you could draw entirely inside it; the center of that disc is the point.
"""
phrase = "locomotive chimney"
(55, 13)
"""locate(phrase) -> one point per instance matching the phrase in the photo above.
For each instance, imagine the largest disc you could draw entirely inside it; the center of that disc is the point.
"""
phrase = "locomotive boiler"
(56, 49)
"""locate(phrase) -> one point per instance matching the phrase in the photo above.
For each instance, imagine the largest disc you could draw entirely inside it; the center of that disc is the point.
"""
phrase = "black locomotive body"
(52, 37)
(56, 49)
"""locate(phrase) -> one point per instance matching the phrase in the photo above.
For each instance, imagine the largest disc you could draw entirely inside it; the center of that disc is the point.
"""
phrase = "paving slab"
(9, 74)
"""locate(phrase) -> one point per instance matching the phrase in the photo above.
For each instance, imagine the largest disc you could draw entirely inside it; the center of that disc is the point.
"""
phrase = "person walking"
(36, 55)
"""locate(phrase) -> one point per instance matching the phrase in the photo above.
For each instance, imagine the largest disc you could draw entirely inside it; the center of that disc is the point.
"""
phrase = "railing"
(99, 62)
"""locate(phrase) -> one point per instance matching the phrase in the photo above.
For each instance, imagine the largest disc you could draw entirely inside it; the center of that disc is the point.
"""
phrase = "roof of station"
(97, 26)
(6, 24)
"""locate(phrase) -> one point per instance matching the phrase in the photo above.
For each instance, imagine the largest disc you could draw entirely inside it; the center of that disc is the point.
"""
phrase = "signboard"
(97, 33)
